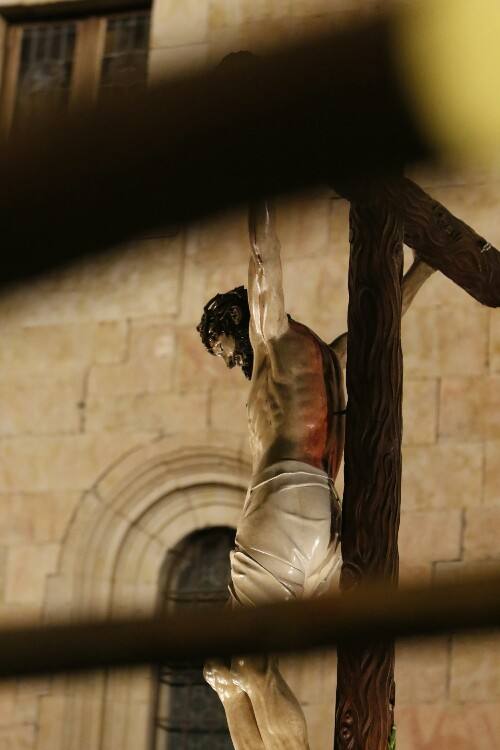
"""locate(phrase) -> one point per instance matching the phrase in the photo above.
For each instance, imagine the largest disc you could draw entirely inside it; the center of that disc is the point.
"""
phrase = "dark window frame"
(90, 29)
(181, 693)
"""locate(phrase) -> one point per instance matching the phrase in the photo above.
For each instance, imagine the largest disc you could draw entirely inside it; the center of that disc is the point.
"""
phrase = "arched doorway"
(189, 715)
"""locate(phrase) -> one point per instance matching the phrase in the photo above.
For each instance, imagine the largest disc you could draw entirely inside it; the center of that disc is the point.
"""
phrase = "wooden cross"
(382, 216)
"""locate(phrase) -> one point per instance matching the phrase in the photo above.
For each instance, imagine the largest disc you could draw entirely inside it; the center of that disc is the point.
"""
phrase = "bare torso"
(295, 402)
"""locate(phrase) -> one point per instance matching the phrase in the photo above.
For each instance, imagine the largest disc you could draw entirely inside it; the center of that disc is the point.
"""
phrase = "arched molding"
(111, 562)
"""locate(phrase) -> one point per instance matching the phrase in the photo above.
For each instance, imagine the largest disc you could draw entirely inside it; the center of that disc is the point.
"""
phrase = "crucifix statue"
(287, 540)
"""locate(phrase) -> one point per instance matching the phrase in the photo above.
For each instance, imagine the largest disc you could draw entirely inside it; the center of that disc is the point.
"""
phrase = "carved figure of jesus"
(287, 539)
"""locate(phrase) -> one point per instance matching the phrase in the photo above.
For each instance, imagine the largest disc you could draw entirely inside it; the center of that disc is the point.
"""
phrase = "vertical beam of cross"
(365, 675)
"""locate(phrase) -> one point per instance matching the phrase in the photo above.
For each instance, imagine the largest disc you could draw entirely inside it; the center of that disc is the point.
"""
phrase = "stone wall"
(102, 374)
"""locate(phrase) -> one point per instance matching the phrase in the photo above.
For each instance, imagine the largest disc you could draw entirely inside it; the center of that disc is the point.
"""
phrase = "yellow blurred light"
(449, 55)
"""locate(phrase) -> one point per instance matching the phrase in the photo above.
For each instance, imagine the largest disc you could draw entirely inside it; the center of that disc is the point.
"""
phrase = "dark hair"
(218, 318)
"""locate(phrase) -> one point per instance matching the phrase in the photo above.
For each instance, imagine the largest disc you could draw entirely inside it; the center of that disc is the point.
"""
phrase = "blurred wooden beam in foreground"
(371, 614)
(357, 100)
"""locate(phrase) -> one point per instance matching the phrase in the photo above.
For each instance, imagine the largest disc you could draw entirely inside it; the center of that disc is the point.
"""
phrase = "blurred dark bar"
(315, 112)
(356, 618)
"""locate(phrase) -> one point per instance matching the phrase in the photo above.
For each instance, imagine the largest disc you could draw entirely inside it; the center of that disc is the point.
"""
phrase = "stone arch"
(111, 561)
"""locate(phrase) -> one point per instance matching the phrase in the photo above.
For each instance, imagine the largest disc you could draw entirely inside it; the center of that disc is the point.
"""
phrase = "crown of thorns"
(216, 318)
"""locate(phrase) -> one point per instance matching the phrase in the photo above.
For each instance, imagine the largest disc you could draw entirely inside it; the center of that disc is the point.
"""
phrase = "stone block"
(492, 473)
(138, 727)
(149, 367)
(174, 24)
(228, 409)
(470, 408)
(51, 722)
(43, 351)
(170, 413)
(420, 343)
(454, 572)
(312, 677)
(139, 279)
(420, 401)
(494, 352)
(422, 671)
(469, 726)
(221, 240)
(415, 572)
(320, 719)
(303, 226)
(475, 669)
(35, 518)
(433, 340)
(320, 7)
(462, 339)
(167, 62)
(227, 13)
(27, 568)
(445, 475)
(482, 532)
(41, 407)
(430, 536)
(318, 280)
(8, 696)
(59, 464)
(18, 737)
(194, 293)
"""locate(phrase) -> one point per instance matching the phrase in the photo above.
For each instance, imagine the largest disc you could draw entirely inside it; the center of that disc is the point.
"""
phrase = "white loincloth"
(287, 540)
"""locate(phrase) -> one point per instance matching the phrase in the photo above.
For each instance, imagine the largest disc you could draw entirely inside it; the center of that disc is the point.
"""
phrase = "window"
(189, 715)
(71, 62)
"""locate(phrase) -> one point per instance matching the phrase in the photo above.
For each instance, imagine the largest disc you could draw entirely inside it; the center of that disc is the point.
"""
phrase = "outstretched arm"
(265, 279)
(413, 279)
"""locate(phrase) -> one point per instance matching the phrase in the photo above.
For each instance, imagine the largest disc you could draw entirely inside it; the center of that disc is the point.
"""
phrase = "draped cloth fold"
(288, 539)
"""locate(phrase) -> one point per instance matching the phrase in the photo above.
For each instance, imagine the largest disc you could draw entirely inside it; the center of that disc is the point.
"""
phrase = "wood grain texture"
(445, 242)
(365, 680)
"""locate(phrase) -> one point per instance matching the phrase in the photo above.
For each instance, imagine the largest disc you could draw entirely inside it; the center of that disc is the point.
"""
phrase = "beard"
(245, 352)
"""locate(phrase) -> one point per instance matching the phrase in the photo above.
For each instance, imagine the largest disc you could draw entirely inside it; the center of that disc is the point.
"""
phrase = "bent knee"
(220, 679)
(250, 673)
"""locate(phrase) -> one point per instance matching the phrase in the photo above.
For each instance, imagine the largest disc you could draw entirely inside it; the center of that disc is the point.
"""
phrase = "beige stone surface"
(225, 13)
(41, 407)
(148, 367)
(50, 722)
(304, 227)
(420, 408)
(174, 24)
(494, 336)
(473, 726)
(44, 351)
(221, 240)
(415, 572)
(430, 535)
(475, 669)
(228, 409)
(445, 340)
(445, 475)
(459, 570)
(36, 518)
(482, 533)
(470, 408)
(27, 568)
(139, 279)
(422, 672)
(18, 737)
(319, 717)
(166, 62)
(67, 463)
(492, 473)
